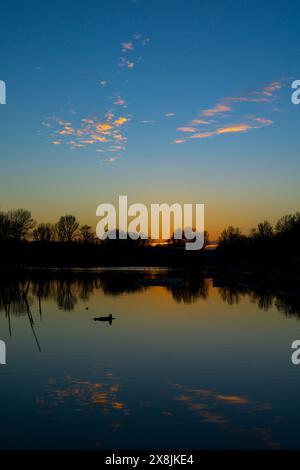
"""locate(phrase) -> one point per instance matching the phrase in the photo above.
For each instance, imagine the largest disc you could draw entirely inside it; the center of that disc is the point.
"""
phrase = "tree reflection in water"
(18, 296)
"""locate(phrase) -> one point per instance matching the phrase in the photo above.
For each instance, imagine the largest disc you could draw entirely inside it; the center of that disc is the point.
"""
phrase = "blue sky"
(165, 101)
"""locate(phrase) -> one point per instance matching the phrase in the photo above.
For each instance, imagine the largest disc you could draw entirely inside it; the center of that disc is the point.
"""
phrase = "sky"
(162, 101)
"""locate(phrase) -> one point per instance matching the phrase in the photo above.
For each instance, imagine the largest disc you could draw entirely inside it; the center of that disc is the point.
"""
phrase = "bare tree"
(20, 222)
(86, 234)
(67, 228)
(264, 231)
(230, 236)
(4, 226)
(44, 233)
(288, 223)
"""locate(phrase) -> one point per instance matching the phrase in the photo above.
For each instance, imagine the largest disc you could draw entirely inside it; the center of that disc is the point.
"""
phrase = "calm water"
(187, 363)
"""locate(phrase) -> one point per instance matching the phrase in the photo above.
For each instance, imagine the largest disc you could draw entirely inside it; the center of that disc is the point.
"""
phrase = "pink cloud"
(264, 121)
(219, 108)
(262, 96)
(270, 89)
(120, 102)
(127, 46)
(186, 129)
(197, 122)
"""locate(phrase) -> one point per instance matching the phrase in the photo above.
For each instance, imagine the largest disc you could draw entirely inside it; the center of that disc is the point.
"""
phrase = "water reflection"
(17, 297)
(231, 413)
(103, 395)
(289, 305)
(175, 364)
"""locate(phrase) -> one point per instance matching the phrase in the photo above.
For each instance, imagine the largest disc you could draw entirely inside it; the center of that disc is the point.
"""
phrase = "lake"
(187, 362)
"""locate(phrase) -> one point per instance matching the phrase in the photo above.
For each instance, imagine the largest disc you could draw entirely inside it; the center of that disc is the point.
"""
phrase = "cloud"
(89, 131)
(110, 131)
(246, 99)
(170, 114)
(120, 102)
(217, 109)
(203, 135)
(103, 127)
(120, 121)
(67, 130)
(197, 122)
(265, 95)
(87, 121)
(263, 121)
(222, 110)
(127, 46)
(233, 129)
(223, 130)
(270, 89)
(126, 63)
(186, 129)
(111, 159)
(237, 128)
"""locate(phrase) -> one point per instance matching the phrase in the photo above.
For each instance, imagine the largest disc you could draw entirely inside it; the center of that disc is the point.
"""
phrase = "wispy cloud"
(233, 129)
(207, 123)
(265, 95)
(263, 121)
(199, 122)
(270, 89)
(186, 129)
(148, 121)
(217, 109)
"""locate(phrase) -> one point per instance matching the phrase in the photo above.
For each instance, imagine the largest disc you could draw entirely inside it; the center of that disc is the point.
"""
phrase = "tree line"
(266, 242)
(19, 225)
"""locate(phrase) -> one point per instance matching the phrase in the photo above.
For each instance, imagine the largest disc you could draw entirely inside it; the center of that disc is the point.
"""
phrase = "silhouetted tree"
(232, 245)
(264, 231)
(67, 228)
(184, 240)
(288, 235)
(231, 236)
(20, 223)
(289, 223)
(4, 226)
(86, 234)
(44, 233)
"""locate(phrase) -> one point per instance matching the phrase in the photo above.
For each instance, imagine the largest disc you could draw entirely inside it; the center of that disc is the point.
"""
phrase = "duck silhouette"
(108, 319)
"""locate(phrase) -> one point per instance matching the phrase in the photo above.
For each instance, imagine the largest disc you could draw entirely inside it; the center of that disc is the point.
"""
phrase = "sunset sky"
(163, 101)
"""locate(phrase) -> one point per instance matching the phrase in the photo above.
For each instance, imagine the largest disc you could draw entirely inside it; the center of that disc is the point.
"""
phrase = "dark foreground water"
(187, 363)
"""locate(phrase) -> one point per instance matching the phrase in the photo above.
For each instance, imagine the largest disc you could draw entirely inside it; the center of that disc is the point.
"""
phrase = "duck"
(109, 318)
